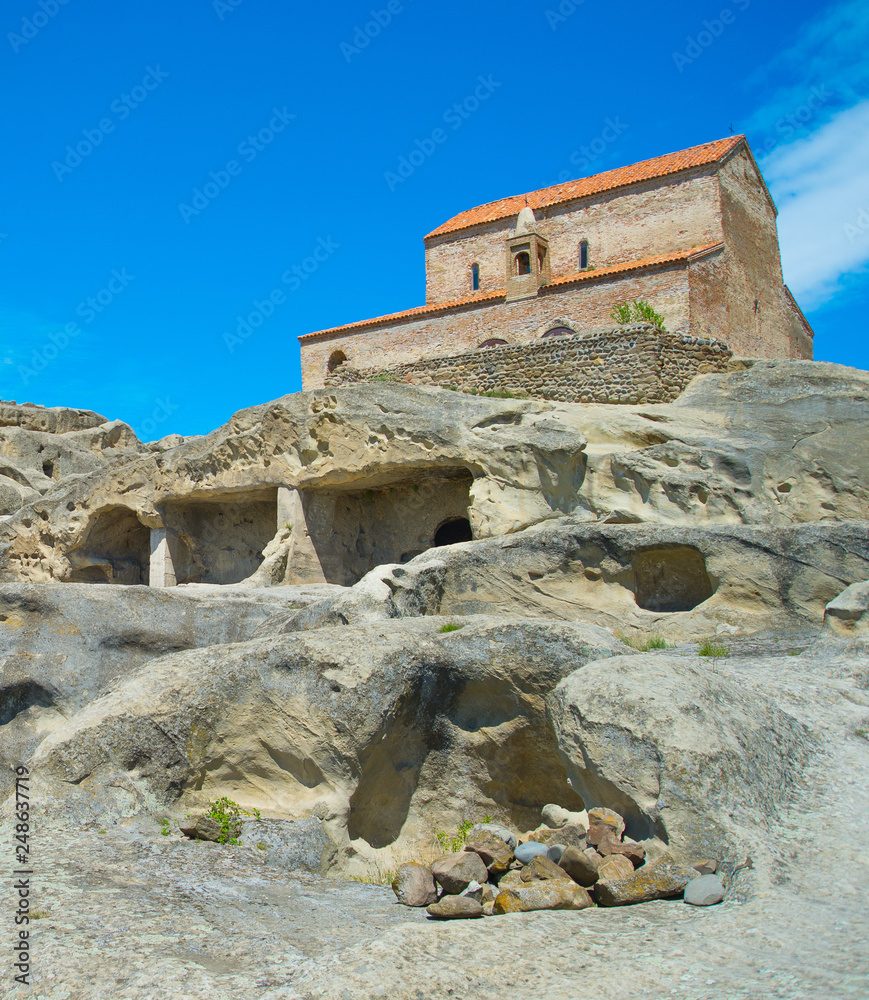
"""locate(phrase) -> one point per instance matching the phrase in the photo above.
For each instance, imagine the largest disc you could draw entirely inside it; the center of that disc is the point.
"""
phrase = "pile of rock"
(574, 861)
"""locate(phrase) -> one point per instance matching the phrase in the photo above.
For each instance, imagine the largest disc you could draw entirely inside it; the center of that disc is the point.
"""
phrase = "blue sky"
(121, 287)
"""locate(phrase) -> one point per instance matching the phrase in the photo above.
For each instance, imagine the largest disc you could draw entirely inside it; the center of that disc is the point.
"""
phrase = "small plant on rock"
(711, 648)
(165, 827)
(452, 843)
(227, 814)
(451, 627)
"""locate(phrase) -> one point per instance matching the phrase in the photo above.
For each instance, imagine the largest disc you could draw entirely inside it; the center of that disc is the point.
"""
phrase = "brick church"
(692, 233)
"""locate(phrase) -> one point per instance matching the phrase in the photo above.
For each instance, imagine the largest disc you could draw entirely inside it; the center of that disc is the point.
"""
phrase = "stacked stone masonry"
(638, 364)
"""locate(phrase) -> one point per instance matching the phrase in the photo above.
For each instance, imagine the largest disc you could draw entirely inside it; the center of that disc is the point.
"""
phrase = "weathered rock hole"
(454, 531)
(702, 495)
(18, 698)
(671, 579)
(784, 487)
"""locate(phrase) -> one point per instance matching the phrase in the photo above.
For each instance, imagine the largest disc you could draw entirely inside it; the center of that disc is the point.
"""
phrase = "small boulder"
(474, 891)
(494, 830)
(489, 908)
(848, 614)
(455, 908)
(414, 885)
(633, 852)
(525, 852)
(455, 872)
(541, 868)
(581, 866)
(607, 818)
(552, 894)
(206, 828)
(661, 880)
(571, 835)
(706, 867)
(615, 866)
(510, 879)
(707, 890)
(555, 817)
(495, 853)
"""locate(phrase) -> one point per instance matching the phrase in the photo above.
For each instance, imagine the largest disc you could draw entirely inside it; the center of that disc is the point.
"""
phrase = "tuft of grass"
(450, 627)
(502, 394)
(262, 847)
(711, 648)
(165, 827)
(644, 645)
(39, 914)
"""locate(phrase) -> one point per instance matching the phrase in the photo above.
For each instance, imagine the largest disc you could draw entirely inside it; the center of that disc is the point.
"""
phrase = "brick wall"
(629, 365)
(580, 307)
(660, 216)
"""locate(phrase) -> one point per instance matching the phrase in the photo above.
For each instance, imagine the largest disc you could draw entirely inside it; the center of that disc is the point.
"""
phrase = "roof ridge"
(634, 173)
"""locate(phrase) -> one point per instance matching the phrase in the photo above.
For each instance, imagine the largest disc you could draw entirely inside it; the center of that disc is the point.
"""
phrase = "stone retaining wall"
(638, 364)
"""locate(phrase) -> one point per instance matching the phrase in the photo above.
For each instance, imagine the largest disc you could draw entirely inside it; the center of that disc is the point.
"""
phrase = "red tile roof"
(647, 263)
(660, 166)
(410, 313)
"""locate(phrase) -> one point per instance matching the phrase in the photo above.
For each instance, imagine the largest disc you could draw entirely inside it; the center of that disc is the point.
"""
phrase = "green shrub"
(165, 830)
(227, 814)
(452, 843)
(638, 311)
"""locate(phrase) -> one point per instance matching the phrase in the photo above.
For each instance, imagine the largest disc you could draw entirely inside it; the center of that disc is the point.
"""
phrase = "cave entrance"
(671, 579)
(347, 532)
(116, 549)
(457, 529)
(220, 539)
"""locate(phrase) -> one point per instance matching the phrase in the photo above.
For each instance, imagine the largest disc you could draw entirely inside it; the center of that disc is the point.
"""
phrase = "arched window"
(583, 255)
(523, 263)
(475, 277)
(493, 342)
(560, 331)
(336, 358)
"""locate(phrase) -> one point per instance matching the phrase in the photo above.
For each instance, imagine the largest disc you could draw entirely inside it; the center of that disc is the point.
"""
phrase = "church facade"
(692, 233)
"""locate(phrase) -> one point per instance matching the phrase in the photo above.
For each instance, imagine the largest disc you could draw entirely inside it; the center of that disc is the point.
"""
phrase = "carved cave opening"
(116, 549)
(671, 578)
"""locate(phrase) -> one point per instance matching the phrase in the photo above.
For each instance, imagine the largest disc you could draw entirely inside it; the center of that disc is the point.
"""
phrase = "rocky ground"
(133, 914)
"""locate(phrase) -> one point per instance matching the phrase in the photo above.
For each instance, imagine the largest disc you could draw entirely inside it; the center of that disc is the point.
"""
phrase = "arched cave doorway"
(457, 529)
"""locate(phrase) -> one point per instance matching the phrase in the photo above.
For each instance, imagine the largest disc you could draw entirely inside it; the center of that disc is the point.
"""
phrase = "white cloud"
(829, 53)
(821, 187)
